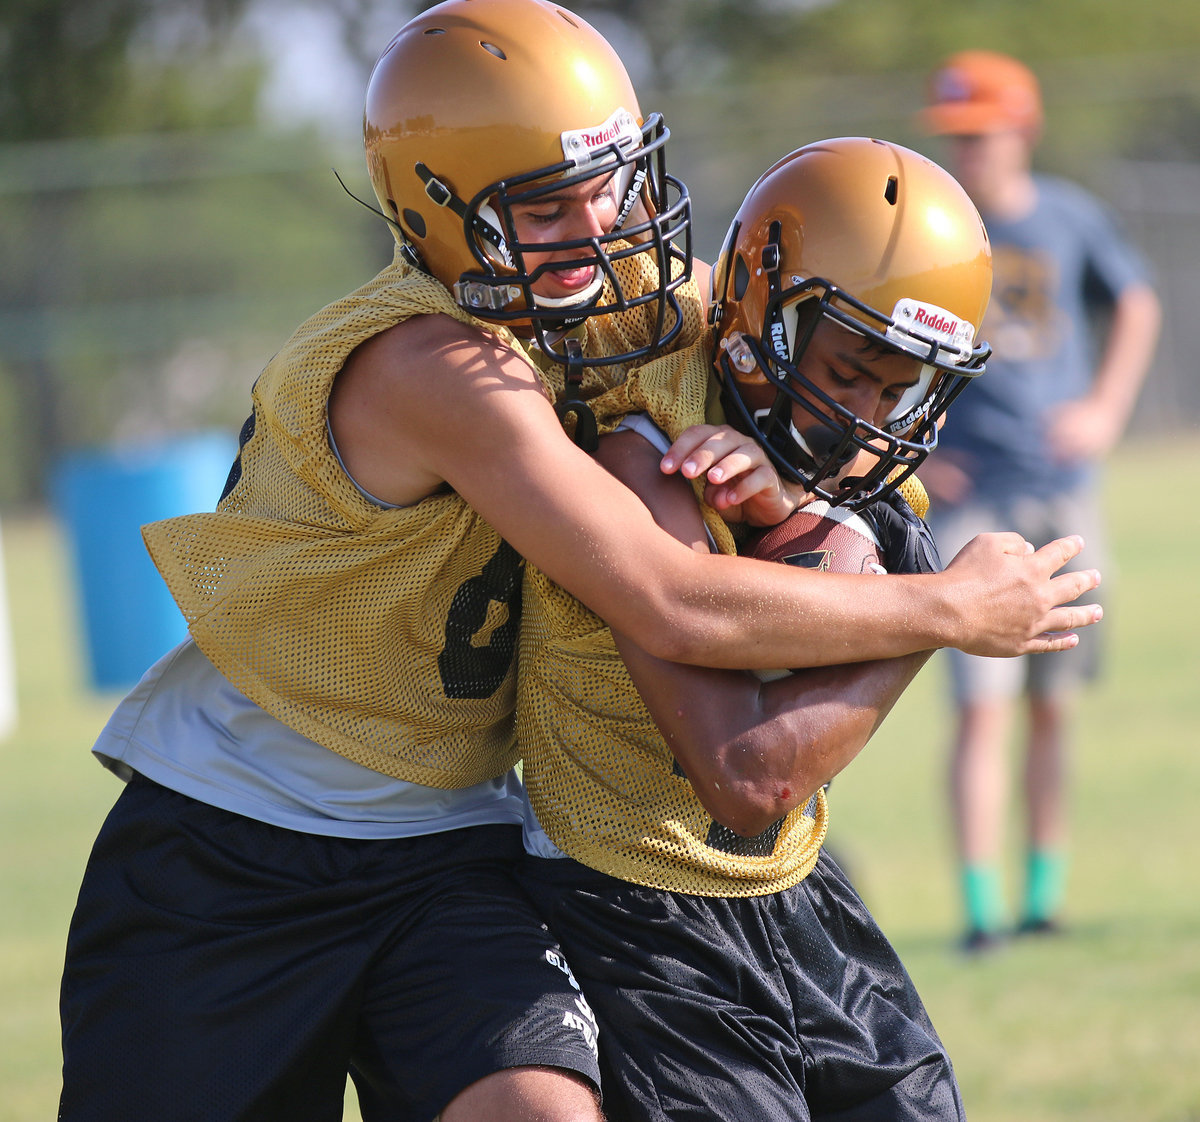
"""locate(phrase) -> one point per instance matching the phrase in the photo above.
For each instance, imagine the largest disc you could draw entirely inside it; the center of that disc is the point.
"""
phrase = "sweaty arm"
(752, 750)
(432, 401)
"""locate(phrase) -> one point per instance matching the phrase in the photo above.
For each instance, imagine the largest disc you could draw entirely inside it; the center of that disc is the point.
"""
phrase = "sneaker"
(1043, 926)
(978, 942)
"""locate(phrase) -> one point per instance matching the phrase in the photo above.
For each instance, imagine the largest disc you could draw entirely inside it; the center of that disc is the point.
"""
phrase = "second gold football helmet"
(882, 241)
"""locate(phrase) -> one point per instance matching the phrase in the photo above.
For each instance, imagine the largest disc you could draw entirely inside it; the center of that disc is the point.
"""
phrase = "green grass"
(1101, 1025)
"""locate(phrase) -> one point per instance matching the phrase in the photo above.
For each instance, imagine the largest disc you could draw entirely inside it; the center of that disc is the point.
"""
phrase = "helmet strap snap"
(586, 430)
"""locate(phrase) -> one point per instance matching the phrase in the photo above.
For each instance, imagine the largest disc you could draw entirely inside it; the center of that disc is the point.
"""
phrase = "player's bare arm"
(472, 414)
(752, 750)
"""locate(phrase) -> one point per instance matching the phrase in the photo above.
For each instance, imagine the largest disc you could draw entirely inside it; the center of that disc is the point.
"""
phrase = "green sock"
(982, 896)
(1045, 875)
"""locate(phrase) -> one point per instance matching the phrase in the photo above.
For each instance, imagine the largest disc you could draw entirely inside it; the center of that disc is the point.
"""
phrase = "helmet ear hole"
(741, 277)
(413, 222)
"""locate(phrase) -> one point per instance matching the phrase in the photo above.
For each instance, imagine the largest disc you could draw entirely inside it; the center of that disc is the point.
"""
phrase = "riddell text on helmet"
(936, 322)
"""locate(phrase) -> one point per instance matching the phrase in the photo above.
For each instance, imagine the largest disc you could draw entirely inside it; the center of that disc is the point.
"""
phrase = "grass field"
(1102, 1025)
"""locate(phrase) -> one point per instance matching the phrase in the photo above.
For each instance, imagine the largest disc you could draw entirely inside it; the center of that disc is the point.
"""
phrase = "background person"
(1021, 451)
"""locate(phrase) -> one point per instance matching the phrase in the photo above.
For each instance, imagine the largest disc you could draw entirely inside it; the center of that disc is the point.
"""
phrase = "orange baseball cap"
(982, 91)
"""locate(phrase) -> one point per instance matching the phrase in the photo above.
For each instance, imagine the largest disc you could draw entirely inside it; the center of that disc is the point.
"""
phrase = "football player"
(308, 871)
(677, 813)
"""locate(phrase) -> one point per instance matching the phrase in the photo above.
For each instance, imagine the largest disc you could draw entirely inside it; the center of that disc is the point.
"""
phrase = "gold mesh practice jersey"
(601, 779)
(386, 635)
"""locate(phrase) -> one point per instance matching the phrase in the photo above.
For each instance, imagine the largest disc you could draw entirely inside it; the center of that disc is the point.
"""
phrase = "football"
(818, 536)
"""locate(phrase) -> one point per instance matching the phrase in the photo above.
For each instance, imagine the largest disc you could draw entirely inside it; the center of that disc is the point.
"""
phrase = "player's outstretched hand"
(740, 481)
(1012, 600)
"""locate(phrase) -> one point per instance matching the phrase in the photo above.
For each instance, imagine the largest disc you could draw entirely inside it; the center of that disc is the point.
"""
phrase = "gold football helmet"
(882, 241)
(479, 105)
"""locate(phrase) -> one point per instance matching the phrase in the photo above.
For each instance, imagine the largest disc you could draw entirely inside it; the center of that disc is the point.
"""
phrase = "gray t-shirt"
(186, 727)
(1053, 268)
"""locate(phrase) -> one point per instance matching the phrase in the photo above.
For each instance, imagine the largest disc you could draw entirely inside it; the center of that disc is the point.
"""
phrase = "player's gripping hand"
(740, 482)
(1009, 600)
(905, 541)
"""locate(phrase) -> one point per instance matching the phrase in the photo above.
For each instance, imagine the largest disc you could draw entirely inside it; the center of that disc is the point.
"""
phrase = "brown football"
(818, 536)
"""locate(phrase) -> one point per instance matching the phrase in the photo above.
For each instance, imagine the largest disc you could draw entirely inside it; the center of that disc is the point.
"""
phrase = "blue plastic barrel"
(104, 497)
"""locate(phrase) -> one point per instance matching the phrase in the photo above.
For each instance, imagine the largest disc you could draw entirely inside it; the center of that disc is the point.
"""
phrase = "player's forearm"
(783, 616)
(753, 751)
(631, 567)
(781, 762)
(995, 598)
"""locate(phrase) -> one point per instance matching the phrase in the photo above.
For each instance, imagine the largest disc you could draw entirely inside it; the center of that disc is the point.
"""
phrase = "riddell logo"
(913, 321)
(605, 135)
(779, 340)
(935, 322)
(581, 146)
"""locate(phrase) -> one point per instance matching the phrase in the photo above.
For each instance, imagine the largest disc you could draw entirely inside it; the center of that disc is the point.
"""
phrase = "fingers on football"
(725, 456)
(696, 449)
(744, 485)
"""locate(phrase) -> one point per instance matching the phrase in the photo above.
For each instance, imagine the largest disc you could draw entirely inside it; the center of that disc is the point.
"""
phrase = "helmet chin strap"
(441, 195)
(586, 429)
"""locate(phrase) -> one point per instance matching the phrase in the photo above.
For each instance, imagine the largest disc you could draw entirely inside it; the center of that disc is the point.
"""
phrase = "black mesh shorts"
(776, 1008)
(219, 968)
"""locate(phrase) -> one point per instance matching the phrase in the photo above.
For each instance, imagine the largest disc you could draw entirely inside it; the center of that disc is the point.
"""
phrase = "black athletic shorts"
(777, 1008)
(222, 969)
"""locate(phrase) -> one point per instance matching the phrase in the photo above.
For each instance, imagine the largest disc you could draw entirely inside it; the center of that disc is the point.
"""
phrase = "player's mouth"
(572, 280)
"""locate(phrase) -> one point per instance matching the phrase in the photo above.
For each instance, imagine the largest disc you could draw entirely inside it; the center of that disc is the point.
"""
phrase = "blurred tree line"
(161, 232)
